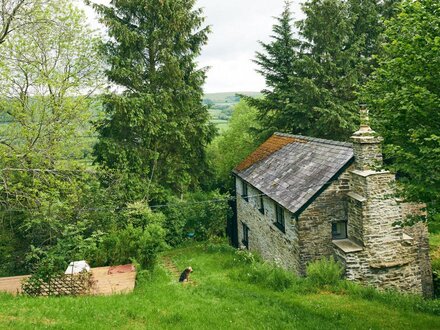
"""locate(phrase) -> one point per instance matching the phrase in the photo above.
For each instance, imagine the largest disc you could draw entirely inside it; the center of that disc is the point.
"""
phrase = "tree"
(47, 78)
(235, 144)
(314, 78)
(404, 96)
(156, 129)
(16, 15)
(276, 64)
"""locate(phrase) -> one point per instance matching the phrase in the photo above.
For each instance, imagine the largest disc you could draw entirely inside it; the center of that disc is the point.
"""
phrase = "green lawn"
(221, 296)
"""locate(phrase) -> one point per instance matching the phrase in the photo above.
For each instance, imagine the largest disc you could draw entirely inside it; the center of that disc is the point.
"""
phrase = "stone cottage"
(300, 199)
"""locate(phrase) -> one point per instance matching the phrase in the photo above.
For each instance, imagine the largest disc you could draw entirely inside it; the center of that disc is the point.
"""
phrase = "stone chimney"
(366, 144)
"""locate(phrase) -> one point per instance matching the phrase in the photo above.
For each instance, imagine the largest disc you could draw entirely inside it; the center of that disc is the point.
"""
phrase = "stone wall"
(307, 238)
(264, 237)
(368, 155)
(420, 235)
(389, 256)
(397, 276)
(392, 257)
(315, 223)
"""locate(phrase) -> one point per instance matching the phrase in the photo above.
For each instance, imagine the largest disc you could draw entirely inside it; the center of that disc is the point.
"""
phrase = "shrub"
(324, 272)
(138, 235)
(140, 215)
(246, 257)
(219, 245)
(270, 276)
(202, 214)
(124, 245)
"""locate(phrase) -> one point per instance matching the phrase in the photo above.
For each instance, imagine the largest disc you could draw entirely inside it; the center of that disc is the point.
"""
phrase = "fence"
(58, 285)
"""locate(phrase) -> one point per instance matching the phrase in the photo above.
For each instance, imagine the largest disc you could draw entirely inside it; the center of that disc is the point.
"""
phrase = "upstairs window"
(261, 208)
(279, 218)
(244, 191)
(339, 230)
(245, 239)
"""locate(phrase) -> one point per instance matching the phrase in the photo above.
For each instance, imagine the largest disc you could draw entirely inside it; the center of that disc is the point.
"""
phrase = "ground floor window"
(339, 230)
(245, 239)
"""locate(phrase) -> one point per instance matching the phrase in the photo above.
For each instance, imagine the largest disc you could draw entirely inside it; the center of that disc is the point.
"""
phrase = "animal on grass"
(185, 274)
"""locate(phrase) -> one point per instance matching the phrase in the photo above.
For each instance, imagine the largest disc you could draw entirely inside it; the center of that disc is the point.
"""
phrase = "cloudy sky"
(237, 25)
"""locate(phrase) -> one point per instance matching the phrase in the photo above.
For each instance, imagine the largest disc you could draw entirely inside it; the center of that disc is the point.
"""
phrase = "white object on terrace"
(76, 267)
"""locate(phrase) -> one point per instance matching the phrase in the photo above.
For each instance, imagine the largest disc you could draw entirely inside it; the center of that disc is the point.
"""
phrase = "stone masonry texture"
(362, 195)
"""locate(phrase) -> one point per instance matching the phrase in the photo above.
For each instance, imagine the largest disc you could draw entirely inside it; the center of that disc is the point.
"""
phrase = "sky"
(237, 26)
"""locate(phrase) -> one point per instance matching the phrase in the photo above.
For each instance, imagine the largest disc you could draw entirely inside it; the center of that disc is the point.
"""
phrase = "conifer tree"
(156, 128)
(321, 68)
(404, 96)
(276, 64)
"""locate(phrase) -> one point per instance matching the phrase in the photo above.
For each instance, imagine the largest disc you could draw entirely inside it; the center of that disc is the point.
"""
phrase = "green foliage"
(202, 214)
(137, 235)
(246, 257)
(132, 244)
(47, 76)
(324, 272)
(155, 131)
(237, 142)
(139, 214)
(270, 276)
(404, 94)
(313, 79)
(219, 246)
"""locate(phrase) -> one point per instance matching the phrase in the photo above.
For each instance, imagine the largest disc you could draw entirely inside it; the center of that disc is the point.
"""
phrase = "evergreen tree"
(404, 97)
(314, 78)
(155, 131)
(276, 64)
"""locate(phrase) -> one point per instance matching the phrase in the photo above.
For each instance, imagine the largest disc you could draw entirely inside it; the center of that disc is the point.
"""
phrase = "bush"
(140, 236)
(122, 246)
(246, 257)
(324, 272)
(270, 276)
(202, 214)
(218, 245)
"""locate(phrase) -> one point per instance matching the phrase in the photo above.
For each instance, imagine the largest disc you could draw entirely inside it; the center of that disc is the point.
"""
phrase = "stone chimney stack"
(366, 144)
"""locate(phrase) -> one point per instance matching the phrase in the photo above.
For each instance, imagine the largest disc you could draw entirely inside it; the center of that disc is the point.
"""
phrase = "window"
(244, 191)
(339, 230)
(279, 216)
(261, 208)
(245, 239)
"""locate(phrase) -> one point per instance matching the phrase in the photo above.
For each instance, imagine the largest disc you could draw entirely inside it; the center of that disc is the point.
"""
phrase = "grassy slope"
(222, 99)
(218, 299)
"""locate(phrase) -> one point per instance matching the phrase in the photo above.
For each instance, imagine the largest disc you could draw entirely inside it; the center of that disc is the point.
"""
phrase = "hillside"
(221, 106)
(226, 291)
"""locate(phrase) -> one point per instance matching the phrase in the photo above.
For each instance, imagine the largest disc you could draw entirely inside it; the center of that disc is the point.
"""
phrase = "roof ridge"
(318, 140)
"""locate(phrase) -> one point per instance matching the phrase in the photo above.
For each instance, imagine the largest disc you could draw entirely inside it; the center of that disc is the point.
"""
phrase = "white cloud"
(237, 25)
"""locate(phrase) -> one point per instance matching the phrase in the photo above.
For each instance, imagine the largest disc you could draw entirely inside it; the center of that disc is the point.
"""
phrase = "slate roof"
(294, 169)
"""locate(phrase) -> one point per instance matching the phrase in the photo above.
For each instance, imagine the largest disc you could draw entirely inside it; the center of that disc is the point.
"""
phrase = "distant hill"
(225, 96)
(221, 106)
